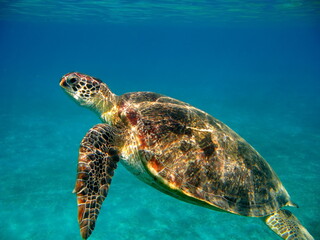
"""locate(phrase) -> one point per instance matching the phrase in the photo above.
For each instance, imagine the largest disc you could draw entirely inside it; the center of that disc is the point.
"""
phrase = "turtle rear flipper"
(287, 226)
(97, 161)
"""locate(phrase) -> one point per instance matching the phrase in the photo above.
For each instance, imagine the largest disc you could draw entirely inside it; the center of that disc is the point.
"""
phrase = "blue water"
(255, 66)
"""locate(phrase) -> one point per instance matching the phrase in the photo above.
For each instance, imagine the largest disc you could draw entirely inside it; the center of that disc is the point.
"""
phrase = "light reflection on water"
(186, 11)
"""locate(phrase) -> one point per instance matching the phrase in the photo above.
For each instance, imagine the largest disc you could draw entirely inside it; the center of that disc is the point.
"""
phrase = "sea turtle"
(177, 149)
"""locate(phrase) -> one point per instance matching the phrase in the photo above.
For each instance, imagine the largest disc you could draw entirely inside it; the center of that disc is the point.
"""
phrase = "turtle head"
(87, 91)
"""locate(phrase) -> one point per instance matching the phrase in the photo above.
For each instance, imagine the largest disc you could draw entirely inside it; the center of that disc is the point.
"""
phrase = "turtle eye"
(72, 80)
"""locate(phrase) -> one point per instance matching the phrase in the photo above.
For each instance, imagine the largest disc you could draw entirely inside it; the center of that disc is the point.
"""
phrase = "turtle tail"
(287, 226)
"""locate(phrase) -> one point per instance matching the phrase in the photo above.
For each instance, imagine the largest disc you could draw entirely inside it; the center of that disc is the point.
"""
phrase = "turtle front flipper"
(287, 226)
(98, 158)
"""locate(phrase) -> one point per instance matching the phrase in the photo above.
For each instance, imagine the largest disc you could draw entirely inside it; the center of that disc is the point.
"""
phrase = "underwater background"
(255, 65)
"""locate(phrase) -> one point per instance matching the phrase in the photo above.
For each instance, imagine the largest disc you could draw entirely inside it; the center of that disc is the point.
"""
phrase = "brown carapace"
(179, 150)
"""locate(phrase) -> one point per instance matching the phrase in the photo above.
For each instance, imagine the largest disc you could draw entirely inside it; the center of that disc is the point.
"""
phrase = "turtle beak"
(69, 81)
(67, 85)
(63, 82)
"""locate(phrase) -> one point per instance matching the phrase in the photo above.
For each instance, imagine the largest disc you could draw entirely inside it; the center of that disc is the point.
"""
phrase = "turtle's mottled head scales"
(86, 90)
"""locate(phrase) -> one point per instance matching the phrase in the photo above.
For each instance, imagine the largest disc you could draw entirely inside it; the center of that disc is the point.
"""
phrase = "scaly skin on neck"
(104, 104)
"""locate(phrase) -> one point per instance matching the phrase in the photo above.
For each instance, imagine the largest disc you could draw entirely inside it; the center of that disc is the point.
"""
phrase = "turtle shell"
(197, 158)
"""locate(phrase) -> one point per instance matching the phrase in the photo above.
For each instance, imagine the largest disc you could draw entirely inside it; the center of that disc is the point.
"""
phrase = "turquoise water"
(255, 66)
